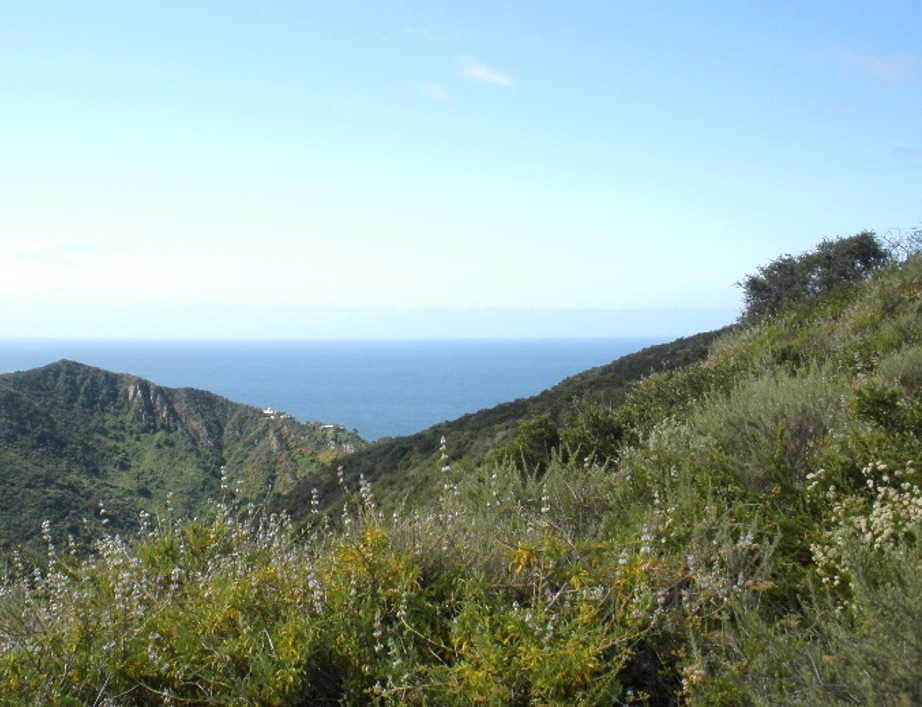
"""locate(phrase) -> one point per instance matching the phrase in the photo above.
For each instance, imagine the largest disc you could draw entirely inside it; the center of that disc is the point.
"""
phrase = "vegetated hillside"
(405, 467)
(750, 537)
(73, 437)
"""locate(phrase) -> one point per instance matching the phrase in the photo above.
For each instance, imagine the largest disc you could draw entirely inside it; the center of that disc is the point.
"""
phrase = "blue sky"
(354, 169)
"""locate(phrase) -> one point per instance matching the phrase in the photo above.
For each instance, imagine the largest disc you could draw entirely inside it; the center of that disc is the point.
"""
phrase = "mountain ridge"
(94, 438)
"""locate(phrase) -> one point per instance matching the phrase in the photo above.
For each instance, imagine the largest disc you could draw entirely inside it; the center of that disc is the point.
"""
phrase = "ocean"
(380, 388)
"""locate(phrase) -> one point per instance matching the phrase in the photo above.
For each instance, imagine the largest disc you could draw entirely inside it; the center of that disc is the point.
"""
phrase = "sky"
(274, 169)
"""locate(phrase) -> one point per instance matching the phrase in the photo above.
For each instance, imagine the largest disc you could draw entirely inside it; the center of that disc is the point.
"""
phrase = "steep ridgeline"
(76, 439)
(404, 467)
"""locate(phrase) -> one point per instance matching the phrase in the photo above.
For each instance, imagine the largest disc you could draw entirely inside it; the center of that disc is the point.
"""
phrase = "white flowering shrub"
(883, 515)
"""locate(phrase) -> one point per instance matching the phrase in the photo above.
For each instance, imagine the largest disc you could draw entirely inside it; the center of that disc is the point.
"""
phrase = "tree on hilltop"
(790, 279)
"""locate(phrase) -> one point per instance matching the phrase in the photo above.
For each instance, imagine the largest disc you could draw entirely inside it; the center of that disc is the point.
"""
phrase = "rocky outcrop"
(150, 405)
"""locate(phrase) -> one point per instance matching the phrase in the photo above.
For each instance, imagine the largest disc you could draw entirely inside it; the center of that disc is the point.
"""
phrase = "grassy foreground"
(750, 536)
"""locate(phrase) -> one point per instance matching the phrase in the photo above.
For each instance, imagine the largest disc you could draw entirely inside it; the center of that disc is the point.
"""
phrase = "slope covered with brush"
(404, 467)
(76, 439)
(750, 537)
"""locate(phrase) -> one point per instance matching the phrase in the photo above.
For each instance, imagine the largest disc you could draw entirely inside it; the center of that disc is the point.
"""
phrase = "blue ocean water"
(381, 388)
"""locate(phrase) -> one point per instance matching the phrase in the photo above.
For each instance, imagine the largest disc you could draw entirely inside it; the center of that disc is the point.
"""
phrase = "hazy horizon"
(228, 323)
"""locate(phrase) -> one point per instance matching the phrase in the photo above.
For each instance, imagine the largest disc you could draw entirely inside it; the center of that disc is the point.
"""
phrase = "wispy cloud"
(843, 111)
(58, 254)
(474, 70)
(909, 156)
(344, 109)
(433, 91)
(894, 69)
(428, 34)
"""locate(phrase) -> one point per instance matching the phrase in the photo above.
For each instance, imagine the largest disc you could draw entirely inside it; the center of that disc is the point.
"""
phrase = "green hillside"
(77, 440)
(739, 527)
(405, 468)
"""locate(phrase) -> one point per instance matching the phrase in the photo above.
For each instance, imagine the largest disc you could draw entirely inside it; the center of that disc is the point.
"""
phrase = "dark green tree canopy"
(790, 279)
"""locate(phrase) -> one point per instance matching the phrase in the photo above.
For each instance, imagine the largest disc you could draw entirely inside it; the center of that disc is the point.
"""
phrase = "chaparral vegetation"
(740, 530)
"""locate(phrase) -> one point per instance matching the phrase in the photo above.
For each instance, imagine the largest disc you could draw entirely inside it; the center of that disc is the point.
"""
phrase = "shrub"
(767, 428)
